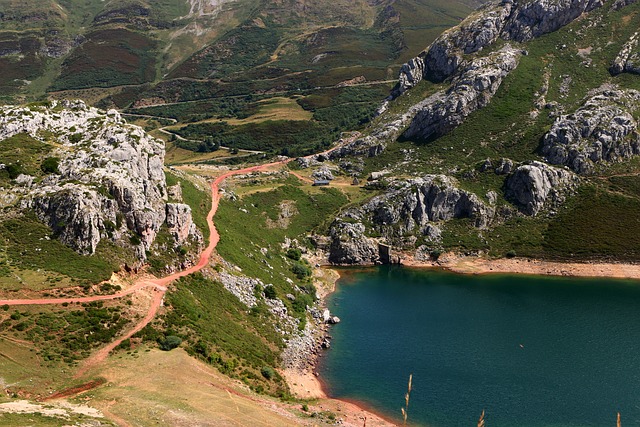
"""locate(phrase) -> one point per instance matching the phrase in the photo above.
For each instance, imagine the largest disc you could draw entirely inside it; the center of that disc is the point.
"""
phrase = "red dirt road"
(160, 284)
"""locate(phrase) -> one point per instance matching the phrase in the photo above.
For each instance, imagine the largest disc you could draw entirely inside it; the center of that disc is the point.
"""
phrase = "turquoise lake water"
(530, 351)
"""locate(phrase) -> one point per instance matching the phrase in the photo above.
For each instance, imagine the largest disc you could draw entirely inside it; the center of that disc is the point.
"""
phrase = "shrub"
(310, 288)
(294, 253)
(511, 254)
(301, 270)
(14, 170)
(270, 292)
(50, 165)
(268, 372)
(170, 342)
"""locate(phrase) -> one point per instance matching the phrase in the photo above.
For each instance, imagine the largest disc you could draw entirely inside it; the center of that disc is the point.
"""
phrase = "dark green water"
(531, 351)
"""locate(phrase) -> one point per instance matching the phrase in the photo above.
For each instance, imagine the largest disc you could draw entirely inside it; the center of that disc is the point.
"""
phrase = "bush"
(294, 253)
(270, 292)
(511, 254)
(268, 372)
(301, 270)
(435, 254)
(14, 170)
(169, 343)
(50, 165)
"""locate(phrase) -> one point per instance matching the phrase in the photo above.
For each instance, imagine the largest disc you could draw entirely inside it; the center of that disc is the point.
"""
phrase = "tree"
(169, 343)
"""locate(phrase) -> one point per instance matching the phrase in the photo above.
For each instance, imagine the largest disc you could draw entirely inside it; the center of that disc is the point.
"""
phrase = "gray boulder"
(323, 173)
(535, 186)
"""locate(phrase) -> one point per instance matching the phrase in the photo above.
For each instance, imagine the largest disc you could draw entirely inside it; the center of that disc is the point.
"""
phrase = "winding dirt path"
(160, 285)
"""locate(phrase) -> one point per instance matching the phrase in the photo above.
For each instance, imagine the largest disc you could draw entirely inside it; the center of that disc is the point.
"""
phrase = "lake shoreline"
(307, 384)
(528, 266)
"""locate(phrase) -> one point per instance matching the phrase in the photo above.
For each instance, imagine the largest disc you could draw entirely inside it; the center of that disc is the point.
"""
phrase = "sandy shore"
(479, 265)
(306, 385)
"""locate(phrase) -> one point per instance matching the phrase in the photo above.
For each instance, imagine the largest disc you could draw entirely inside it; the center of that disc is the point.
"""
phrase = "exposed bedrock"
(110, 180)
(412, 207)
(537, 186)
(509, 20)
(472, 90)
(603, 129)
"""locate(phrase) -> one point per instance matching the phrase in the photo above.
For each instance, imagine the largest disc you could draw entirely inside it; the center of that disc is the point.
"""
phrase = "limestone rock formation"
(507, 19)
(323, 173)
(180, 222)
(110, 183)
(533, 19)
(628, 60)
(619, 4)
(536, 186)
(349, 245)
(415, 206)
(603, 129)
(472, 90)
(442, 59)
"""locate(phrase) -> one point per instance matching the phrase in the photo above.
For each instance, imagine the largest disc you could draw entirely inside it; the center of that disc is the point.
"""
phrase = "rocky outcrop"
(535, 18)
(349, 245)
(323, 173)
(619, 4)
(442, 59)
(603, 129)
(110, 183)
(508, 19)
(628, 60)
(471, 91)
(75, 215)
(180, 222)
(414, 207)
(536, 186)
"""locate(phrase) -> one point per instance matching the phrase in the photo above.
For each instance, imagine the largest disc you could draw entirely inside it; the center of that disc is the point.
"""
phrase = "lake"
(529, 350)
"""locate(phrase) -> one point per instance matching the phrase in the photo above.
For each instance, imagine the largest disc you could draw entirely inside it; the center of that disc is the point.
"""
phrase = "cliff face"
(109, 181)
(416, 207)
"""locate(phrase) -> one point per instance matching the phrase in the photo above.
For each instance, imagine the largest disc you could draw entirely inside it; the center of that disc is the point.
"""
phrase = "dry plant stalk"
(619, 424)
(406, 402)
(481, 420)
